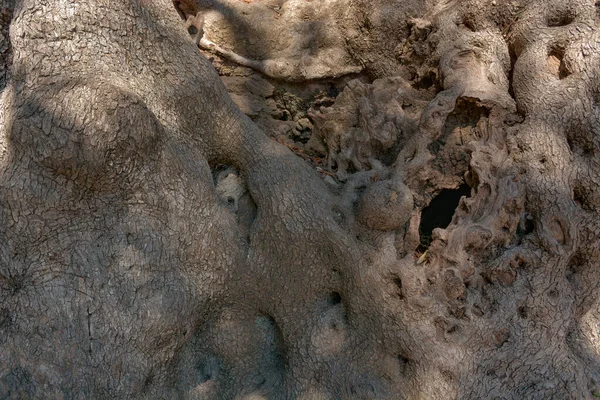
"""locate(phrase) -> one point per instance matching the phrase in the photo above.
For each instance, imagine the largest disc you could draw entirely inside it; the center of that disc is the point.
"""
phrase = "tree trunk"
(155, 243)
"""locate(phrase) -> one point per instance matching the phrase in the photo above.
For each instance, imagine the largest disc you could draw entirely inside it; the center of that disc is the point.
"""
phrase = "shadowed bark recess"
(404, 204)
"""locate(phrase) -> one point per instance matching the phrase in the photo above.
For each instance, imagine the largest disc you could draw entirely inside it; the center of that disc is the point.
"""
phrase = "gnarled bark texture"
(155, 243)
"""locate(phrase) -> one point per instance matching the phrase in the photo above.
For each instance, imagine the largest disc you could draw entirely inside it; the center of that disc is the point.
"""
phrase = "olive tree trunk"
(125, 273)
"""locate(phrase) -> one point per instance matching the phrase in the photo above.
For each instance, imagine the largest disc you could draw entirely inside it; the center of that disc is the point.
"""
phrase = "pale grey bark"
(127, 272)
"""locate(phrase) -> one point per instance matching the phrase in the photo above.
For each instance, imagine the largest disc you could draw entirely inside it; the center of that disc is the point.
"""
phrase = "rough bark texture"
(442, 241)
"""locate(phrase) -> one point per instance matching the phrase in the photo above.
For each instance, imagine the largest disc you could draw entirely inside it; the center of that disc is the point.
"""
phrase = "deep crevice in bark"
(439, 213)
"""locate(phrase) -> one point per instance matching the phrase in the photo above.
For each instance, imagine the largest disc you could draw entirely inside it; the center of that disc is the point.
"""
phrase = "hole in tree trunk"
(561, 19)
(581, 197)
(403, 362)
(439, 213)
(334, 298)
(192, 30)
(556, 63)
(522, 311)
(398, 282)
(526, 225)
(426, 81)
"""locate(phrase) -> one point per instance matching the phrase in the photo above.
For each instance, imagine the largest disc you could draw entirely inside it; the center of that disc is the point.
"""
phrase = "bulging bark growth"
(155, 243)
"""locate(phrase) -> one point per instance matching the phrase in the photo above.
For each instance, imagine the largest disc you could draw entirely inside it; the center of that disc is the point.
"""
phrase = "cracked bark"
(125, 273)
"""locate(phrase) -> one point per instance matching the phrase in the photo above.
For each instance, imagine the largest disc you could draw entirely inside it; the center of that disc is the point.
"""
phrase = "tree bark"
(125, 273)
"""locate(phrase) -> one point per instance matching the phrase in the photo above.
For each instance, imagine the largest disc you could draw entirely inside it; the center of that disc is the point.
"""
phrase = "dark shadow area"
(513, 59)
(247, 34)
(17, 384)
(526, 226)
(439, 213)
(196, 365)
(403, 364)
(243, 29)
(6, 13)
(426, 82)
(334, 298)
(398, 283)
(461, 127)
(560, 19)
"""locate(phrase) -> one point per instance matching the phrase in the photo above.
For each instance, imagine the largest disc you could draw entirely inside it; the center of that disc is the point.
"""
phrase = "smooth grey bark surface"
(155, 243)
